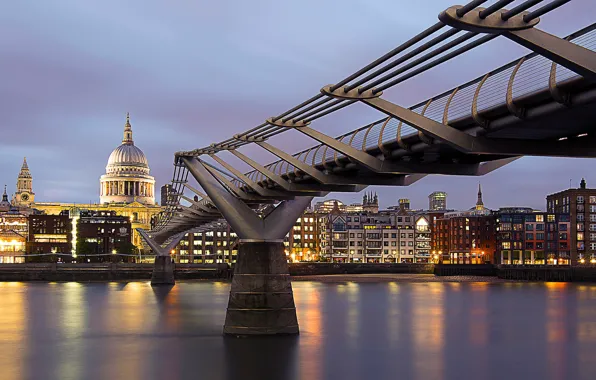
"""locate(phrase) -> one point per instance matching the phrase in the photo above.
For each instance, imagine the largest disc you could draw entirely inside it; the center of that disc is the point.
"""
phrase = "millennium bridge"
(542, 104)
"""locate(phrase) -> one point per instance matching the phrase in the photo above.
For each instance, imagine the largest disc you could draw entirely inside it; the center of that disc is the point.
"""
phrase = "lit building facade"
(303, 240)
(580, 204)
(462, 238)
(325, 207)
(525, 236)
(13, 237)
(437, 201)
(218, 245)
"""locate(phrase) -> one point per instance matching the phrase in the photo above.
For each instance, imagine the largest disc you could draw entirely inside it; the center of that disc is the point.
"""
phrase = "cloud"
(193, 73)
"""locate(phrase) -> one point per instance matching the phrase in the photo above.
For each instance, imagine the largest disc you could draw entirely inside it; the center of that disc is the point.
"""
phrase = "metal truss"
(540, 104)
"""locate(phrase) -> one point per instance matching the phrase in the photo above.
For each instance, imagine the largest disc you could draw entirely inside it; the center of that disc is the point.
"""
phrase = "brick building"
(580, 204)
(465, 238)
(525, 236)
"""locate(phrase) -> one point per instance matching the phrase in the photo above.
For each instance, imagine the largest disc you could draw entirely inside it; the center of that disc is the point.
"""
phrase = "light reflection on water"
(348, 331)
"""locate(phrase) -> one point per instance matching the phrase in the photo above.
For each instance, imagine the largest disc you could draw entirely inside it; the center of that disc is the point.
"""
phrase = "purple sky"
(192, 73)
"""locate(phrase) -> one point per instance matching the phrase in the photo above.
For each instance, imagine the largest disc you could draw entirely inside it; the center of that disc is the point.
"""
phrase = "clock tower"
(24, 196)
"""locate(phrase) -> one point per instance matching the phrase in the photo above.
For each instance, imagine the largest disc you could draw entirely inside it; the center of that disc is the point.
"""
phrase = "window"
(403, 236)
(394, 236)
(563, 236)
(550, 218)
(580, 246)
(580, 236)
(592, 199)
(539, 245)
(592, 217)
(402, 243)
(352, 235)
(529, 227)
(529, 245)
(580, 226)
(562, 227)
(506, 245)
(580, 199)
(593, 236)
(540, 218)
(540, 236)
(540, 227)
(529, 236)
(386, 236)
(359, 235)
(592, 208)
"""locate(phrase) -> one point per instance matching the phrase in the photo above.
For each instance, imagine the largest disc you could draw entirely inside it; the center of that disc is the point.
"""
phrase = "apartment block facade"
(580, 204)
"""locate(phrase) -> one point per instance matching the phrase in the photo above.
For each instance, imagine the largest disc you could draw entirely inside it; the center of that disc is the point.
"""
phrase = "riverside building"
(580, 204)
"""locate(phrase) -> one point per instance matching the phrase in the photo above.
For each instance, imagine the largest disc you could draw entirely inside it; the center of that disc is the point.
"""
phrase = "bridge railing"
(452, 36)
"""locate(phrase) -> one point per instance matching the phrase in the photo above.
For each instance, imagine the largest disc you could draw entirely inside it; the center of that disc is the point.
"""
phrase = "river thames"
(349, 330)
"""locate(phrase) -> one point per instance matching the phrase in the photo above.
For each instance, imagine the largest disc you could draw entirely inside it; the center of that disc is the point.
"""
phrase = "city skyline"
(63, 104)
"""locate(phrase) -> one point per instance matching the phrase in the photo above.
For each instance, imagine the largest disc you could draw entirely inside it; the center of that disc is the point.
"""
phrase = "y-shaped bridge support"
(261, 299)
(163, 268)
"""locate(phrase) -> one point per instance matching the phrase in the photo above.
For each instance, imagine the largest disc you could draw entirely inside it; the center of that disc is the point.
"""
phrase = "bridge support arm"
(240, 216)
(572, 56)
(464, 142)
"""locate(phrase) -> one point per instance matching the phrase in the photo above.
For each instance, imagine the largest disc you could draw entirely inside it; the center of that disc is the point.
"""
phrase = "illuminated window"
(540, 218)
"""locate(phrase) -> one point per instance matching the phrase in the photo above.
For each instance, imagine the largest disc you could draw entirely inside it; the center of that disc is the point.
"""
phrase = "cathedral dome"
(126, 155)
(127, 176)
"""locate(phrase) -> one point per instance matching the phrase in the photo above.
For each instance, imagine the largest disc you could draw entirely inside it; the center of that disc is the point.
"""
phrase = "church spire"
(479, 203)
(127, 132)
(4, 196)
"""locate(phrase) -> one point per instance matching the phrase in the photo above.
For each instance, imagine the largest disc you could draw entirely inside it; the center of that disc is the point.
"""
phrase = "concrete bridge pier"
(261, 298)
(163, 271)
(163, 267)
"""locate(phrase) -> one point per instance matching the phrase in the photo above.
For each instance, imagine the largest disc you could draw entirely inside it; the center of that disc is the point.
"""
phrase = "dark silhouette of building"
(50, 237)
(103, 236)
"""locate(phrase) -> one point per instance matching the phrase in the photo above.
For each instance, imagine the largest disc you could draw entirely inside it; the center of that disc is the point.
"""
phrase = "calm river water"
(387, 330)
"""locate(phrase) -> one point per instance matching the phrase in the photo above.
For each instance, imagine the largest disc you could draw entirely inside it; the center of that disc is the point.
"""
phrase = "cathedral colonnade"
(135, 188)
